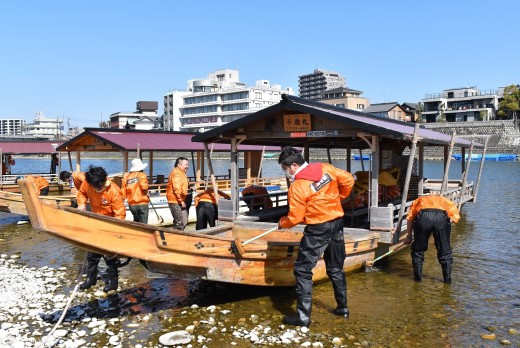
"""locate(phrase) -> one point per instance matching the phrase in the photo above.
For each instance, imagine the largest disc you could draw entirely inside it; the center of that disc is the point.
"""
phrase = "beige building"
(389, 110)
(346, 98)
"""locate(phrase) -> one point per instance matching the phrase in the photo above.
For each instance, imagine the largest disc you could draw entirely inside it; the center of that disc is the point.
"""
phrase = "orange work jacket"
(135, 188)
(38, 182)
(316, 193)
(433, 202)
(77, 179)
(177, 188)
(108, 202)
(260, 202)
(209, 196)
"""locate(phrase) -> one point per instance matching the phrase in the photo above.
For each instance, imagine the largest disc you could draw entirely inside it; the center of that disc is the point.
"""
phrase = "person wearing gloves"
(314, 199)
(135, 189)
(431, 214)
(105, 198)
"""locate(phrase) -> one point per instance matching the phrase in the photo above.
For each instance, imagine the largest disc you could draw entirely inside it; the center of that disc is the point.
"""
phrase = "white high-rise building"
(12, 127)
(43, 127)
(218, 99)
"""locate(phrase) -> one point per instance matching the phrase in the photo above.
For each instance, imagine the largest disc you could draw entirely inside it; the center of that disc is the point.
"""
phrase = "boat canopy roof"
(29, 147)
(110, 140)
(297, 121)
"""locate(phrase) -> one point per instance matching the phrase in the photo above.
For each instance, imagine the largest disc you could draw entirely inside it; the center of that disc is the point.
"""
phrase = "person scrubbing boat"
(315, 199)
(431, 214)
(105, 198)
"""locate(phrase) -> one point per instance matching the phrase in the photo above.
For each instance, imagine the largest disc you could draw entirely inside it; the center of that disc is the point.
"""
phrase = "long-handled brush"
(159, 217)
(369, 264)
(237, 246)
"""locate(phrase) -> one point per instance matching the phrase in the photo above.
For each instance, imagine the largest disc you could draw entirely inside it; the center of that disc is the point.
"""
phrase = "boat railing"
(10, 179)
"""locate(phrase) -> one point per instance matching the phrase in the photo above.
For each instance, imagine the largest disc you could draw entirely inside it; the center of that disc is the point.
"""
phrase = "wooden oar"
(237, 246)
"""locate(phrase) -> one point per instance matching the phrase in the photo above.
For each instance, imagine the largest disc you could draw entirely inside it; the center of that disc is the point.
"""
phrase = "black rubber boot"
(340, 294)
(112, 275)
(303, 313)
(446, 274)
(92, 270)
(417, 262)
(446, 263)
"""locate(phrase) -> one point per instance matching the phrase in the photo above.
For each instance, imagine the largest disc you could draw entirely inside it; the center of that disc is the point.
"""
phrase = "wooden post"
(463, 160)
(78, 161)
(150, 171)
(465, 175)
(212, 175)
(70, 161)
(261, 162)
(234, 178)
(480, 169)
(349, 160)
(125, 161)
(397, 233)
(361, 159)
(420, 170)
(447, 162)
(138, 152)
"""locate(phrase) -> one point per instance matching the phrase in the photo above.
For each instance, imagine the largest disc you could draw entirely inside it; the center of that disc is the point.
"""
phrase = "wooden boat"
(11, 200)
(207, 254)
(376, 230)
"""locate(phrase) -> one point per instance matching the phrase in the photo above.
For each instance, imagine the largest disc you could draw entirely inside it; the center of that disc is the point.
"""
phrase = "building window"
(360, 106)
(258, 95)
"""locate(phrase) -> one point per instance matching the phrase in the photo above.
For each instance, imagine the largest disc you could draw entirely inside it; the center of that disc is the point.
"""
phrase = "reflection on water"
(388, 308)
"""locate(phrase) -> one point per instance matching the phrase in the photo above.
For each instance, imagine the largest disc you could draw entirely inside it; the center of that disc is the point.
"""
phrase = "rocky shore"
(33, 300)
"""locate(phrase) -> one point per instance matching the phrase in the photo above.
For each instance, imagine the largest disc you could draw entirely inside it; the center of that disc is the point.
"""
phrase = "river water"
(388, 309)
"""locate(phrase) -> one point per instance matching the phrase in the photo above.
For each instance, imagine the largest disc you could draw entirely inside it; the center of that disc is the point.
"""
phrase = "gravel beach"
(33, 300)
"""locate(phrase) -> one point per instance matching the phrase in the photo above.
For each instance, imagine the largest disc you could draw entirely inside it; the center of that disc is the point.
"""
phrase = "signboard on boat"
(297, 122)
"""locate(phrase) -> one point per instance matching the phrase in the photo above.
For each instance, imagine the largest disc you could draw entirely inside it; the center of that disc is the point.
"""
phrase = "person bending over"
(105, 198)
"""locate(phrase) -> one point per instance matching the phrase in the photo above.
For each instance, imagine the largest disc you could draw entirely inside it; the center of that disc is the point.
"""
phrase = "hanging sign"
(297, 122)
(322, 133)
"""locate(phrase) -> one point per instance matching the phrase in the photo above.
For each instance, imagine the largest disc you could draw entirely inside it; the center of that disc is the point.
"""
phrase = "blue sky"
(83, 60)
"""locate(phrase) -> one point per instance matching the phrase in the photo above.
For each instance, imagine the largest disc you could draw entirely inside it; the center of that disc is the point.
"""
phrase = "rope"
(69, 301)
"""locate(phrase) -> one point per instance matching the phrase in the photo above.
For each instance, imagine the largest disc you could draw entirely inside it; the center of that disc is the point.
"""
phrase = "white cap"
(138, 165)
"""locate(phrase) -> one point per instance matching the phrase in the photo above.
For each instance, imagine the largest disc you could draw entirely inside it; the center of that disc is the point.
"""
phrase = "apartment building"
(218, 99)
(346, 98)
(462, 104)
(312, 86)
(12, 127)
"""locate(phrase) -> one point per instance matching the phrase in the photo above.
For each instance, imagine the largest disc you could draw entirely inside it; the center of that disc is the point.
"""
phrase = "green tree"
(104, 124)
(509, 107)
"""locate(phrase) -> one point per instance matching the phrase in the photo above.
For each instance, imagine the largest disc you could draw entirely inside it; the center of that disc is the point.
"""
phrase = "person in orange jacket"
(315, 200)
(207, 208)
(177, 191)
(105, 198)
(135, 188)
(75, 179)
(41, 186)
(257, 203)
(431, 214)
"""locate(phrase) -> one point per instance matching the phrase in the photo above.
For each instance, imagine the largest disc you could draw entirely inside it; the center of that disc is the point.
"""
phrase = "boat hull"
(206, 254)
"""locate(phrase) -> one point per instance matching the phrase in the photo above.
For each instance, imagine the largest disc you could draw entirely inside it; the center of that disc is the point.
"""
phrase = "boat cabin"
(393, 175)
